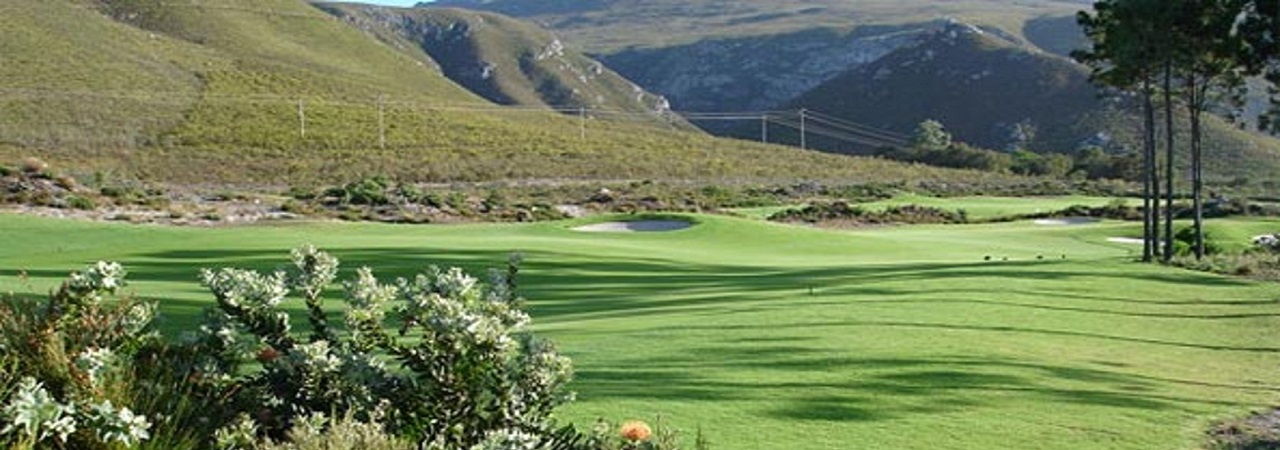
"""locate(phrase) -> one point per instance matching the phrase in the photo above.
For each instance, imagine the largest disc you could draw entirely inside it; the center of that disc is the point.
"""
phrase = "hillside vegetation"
(278, 92)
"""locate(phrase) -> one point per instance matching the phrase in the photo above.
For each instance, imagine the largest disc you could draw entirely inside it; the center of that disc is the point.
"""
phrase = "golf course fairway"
(767, 336)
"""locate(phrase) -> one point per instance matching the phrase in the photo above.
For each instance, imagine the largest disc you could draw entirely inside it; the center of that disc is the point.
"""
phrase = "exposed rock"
(758, 72)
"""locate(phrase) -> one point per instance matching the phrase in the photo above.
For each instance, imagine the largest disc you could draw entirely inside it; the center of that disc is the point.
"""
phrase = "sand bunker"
(636, 226)
(1067, 221)
(1125, 240)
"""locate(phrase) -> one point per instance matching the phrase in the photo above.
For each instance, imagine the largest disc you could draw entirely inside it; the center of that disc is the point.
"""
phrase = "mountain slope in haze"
(608, 26)
(978, 84)
(709, 56)
(755, 73)
(989, 91)
(502, 59)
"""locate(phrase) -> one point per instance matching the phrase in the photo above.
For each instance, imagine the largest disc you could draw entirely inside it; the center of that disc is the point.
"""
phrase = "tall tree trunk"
(1168, 171)
(1196, 98)
(1150, 184)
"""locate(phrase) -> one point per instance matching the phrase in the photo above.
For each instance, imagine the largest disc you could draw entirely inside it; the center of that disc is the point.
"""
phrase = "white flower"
(120, 425)
(94, 362)
(367, 299)
(510, 439)
(454, 282)
(315, 270)
(103, 276)
(317, 356)
(239, 435)
(1268, 241)
(246, 288)
(36, 414)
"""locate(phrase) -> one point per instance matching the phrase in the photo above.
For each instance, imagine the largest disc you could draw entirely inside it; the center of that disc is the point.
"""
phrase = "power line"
(806, 121)
(833, 134)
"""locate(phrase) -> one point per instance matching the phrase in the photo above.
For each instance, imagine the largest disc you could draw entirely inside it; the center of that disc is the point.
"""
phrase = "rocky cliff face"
(755, 73)
(503, 60)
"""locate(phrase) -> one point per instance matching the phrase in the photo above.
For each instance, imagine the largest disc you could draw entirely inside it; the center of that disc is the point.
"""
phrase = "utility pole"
(582, 122)
(382, 128)
(804, 141)
(302, 120)
(764, 129)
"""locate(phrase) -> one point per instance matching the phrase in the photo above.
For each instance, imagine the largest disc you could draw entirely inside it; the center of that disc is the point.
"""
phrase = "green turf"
(774, 336)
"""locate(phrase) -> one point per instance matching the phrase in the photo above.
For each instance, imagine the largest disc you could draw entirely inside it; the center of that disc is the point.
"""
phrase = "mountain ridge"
(506, 61)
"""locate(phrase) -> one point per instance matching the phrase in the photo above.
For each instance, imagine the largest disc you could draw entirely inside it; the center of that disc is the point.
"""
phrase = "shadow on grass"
(564, 287)
(869, 389)
(567, 286)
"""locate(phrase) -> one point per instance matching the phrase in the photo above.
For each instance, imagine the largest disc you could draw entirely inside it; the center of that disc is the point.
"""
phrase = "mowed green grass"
(771, 336)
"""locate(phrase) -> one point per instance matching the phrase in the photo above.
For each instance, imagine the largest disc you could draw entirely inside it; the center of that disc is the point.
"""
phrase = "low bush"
(1115, 210)
(1258, 432)
(368, 191)
(33, 166)
(320, 433)
(1184, 242)
(636, 435)
(1267, 242)
(458, 369)
(461, 367)
(843, 212)
(1257, 265)
(82, 203)
(69, 362)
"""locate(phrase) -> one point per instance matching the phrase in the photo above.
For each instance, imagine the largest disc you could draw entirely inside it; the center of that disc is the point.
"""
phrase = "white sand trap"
(1067, 221)
(1125, 240)
(636, 226)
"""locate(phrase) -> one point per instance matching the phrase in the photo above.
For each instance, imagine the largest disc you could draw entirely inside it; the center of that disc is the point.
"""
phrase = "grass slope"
(770, 336)
(211, 92)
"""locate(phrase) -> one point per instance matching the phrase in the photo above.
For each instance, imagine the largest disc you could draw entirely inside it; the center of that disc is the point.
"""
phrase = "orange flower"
(267, 354)
(636, 431)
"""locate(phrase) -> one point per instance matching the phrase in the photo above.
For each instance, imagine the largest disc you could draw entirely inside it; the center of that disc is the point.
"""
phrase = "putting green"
(774, 336)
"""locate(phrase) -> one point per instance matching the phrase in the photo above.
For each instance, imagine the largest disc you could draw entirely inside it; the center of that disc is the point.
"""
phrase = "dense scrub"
(440, 361)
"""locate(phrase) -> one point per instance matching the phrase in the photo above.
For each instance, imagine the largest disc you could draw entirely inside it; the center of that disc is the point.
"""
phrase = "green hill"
(277, 92)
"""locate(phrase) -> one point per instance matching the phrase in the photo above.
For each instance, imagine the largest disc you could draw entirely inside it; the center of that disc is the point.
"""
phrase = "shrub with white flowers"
(1267, 242)
(35, 416)
(460, 370)
(68, 358)
(112, 424)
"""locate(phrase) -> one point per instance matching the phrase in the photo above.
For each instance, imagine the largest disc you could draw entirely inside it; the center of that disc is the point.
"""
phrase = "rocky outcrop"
(504, 60)
(755, 73)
